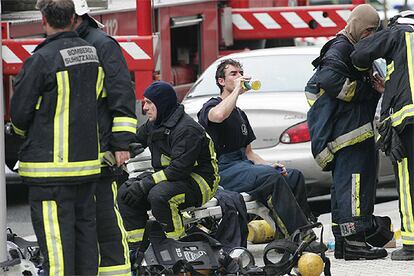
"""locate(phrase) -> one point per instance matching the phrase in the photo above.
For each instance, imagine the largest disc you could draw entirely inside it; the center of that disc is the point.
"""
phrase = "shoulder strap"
(316, 62)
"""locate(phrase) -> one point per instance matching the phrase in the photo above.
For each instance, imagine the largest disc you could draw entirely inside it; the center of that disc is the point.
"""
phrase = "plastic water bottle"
(254, 85)
(331, 245)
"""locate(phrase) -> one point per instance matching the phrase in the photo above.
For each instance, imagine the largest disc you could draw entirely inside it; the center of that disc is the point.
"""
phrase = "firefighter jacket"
(54, 106)
(116, 102)
(342, 101)
(181, 150)
(396, 46)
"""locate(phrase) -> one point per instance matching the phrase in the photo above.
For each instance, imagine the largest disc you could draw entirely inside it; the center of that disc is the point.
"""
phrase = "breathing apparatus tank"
(310, 264)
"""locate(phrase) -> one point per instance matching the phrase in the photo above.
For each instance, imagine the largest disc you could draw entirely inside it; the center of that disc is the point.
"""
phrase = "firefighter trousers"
(353, 188)
(404, 172)
(165, 200)
(63, 218)
(112, 236)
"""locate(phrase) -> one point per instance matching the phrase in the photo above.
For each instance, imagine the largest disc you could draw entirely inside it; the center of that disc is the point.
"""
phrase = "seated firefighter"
(184, 160)
(242, 170)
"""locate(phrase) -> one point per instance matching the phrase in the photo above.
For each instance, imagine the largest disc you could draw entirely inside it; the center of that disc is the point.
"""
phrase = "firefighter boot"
(406, 253)
(339, 242)
(355, 248)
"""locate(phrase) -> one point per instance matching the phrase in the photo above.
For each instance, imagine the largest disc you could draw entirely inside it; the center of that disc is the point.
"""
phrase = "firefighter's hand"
(134, 191)
(121, 157)
(239, 84)
(280, 168)
(378, 83)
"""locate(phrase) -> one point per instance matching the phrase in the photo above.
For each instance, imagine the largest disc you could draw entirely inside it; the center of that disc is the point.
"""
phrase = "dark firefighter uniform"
(54, 107)
(117, 128)
(186, 171)
(396, 46)
(340, 122)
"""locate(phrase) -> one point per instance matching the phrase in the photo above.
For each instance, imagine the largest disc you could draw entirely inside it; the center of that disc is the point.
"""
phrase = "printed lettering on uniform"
(79, 55)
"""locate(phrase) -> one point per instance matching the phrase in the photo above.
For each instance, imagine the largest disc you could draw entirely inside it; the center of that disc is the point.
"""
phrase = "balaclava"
(163, 95)
(361, 18)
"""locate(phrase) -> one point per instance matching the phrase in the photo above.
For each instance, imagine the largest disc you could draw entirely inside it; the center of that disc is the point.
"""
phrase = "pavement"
(383, 267)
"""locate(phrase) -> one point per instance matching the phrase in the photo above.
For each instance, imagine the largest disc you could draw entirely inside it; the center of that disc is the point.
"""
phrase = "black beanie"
(163, 95)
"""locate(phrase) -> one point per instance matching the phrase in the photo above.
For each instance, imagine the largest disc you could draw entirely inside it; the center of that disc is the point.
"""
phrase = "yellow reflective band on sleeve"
(18, 131)
(348, 139)
(135, 235)
(390, 70)
(159, 176)
(406, 206)
(355, 197)
(399, 116)
(312, 98)
(121, 228)
(39, 101)
(407, 238)
(118, 270)
(165, 160)
(361, 68)
(53, 238)
(348, 91)
(409, 39)
(50, 169)
(61, 120)
(100, 82)
(124, 124)
(214, 164)
(179, 230)
(204, 188)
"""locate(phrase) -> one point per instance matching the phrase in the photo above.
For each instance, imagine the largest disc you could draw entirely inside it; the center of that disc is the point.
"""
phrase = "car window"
(281, 73)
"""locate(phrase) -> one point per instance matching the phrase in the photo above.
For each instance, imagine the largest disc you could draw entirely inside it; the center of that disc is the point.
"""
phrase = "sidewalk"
(383, 267)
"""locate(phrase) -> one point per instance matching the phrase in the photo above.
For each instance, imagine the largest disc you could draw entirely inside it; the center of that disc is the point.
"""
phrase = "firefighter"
(341, 128)
(184, 160)
(117, 129)
(241, 169)
(395, 44)
(54, 106)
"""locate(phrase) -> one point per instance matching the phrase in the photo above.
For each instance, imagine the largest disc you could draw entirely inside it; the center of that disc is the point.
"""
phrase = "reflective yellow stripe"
(390, 70)
(53, 239)
(50, 169)
(405, 196)
(135, 235)
(104, 94)
(409, 37)
(124, 124)
(18, 130)
(100, 81)
(399, 116)
(407, 238)
(118, 270)
(121, 227)
(39, 101)
(178, 231)
(312, 98)
(159, 176)
(348, 139)
(61, 120)
(214, 164)
(277, 219)
(361, 68)
(165, 160)
(348, 91)
(356, 210)
(204, 188)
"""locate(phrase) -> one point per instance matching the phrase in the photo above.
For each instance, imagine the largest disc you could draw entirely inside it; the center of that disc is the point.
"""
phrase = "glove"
(390, 142)
(134, 191)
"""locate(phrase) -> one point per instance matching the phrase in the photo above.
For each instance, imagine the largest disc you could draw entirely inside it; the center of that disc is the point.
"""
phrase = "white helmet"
(81, 7)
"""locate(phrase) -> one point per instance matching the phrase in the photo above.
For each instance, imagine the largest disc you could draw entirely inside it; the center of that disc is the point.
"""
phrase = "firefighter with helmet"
(117, 128)
(396, 45)
(54, 106)
(343, 103)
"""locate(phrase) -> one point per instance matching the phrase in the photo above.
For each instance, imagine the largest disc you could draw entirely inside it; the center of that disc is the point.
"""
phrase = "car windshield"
(278, 73)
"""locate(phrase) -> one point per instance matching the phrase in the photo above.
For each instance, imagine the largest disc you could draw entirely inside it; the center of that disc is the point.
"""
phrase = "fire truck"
(174, 40)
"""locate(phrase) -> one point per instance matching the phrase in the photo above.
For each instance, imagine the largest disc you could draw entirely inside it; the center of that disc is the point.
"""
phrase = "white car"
(277, 112)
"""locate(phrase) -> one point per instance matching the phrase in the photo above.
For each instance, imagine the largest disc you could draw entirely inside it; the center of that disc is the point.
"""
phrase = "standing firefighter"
(396, 45)
(54, 106)
(117, 128)
(341, 127)
(184, 160)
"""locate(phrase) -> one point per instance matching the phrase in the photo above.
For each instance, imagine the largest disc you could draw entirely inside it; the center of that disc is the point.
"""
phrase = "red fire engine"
(175, 40)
